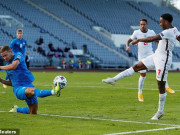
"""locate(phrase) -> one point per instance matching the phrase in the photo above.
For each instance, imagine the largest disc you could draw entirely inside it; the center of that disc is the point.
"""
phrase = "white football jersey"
(166, 45)
(144, 49)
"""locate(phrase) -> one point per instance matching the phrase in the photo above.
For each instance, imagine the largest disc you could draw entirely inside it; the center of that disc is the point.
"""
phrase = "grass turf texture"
(86, 96)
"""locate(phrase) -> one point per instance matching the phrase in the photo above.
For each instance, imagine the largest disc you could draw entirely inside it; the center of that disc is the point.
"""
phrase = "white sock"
(166, 85)
(140, 84)
(52, 92)
(162, 99)
(128, 72)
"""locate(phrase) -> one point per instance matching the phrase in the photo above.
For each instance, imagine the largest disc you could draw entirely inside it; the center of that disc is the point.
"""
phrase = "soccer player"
(160, 60)
(18, 44)
(144, 50)
(20, 78)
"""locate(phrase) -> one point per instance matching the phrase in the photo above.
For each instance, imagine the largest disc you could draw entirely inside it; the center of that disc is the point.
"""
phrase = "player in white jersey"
(144, 50)
(160, 60)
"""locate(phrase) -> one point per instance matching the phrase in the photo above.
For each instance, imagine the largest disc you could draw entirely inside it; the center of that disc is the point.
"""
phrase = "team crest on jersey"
(162, 34)
(19, 56)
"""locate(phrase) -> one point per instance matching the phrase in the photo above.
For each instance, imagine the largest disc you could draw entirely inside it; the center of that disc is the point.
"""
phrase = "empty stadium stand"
(62, 22)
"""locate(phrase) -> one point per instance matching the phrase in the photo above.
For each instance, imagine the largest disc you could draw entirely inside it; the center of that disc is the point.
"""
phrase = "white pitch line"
(125, 121)
(112, 120)
(115, 87)
(102, 119)
(100, 87)
(141, 131)
(3, 111)
(2, 92)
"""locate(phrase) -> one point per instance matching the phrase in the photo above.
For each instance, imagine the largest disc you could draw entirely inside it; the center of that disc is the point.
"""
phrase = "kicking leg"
(42, 93)
(128, 72)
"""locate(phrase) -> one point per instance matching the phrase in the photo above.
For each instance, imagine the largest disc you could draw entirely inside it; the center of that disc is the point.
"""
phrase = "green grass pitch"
(89, 107)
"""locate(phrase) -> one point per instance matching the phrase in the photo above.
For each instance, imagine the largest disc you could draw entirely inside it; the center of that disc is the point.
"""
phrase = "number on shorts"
(159, 71)
(145, 43)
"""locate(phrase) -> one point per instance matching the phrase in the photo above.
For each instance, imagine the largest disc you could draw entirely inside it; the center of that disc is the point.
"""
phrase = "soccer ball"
(62, 81)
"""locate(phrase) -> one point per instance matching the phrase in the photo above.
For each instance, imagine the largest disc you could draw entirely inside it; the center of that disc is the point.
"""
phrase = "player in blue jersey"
(20, 78)
(18, 44)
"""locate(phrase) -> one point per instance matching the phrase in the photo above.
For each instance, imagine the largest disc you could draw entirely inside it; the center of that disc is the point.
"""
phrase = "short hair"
(5, 48)
(167, 17)
(19, 30)
(144, 20)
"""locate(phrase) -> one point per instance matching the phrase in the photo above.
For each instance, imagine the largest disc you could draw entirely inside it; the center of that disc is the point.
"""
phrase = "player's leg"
(149, 63)
(20, 94)
(15, 108)
(162, 99)
(161, 76)
(30, 91)
(33, 108)
(146, 63)
(140, 85)
(128, 72)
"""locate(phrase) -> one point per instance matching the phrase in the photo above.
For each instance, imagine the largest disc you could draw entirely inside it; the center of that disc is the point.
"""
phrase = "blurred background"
(82, 34)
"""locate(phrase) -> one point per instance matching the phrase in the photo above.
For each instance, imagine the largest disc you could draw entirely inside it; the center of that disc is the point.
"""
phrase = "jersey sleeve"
(12, 44)
(133, 36)
(19, 57)
(164, 34)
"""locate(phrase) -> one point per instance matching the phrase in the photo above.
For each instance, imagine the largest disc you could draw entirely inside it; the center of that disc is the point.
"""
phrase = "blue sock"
(42, 93)
(23, 110)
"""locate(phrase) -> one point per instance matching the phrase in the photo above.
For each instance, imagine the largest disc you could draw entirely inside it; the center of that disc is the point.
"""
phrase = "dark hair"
(5, 48)
(167, 17)
(144, 20)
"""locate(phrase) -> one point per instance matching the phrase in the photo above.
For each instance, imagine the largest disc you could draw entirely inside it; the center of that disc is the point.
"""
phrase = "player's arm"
(11, 66)
(6, 82)
(147, 39)
(178, 38)
(127, 44)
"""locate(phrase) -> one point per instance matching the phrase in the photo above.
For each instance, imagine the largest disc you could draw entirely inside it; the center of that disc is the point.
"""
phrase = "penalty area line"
(141, 131)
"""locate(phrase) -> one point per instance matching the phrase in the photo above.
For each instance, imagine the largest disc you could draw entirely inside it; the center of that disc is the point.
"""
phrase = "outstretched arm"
(147, 39)
(6, 82)
(11, 66)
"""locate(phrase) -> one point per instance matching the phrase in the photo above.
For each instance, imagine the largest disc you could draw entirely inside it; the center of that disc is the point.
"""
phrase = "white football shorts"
(158, 63)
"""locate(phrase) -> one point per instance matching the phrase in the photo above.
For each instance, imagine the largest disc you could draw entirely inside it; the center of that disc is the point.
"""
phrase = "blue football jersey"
(20, 76)
(18, 46)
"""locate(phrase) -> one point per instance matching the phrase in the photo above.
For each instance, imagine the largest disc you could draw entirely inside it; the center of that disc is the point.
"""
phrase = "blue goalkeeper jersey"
(18, 46)
(21, 76)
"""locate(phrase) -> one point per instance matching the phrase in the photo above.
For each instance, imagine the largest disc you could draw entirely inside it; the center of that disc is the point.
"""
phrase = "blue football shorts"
(20, 94)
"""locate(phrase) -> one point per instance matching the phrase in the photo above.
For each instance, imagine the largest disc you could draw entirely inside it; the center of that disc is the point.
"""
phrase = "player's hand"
(135, 42)
(127, 48)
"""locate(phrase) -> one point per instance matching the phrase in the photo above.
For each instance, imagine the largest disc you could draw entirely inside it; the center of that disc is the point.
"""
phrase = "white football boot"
(157, 116)
(110, 81)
